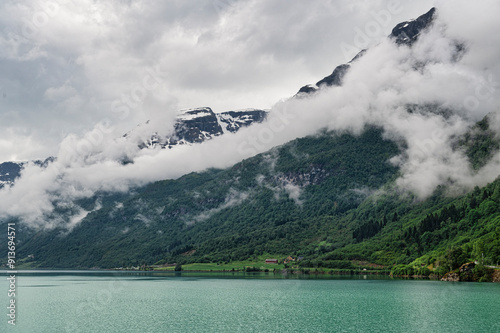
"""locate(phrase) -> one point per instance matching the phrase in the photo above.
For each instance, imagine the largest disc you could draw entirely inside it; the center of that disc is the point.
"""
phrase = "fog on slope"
(378, 90)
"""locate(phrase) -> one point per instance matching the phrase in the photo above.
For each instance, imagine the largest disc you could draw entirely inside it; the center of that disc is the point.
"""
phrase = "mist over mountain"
(416, 114)
(198, 125)
(10, 171)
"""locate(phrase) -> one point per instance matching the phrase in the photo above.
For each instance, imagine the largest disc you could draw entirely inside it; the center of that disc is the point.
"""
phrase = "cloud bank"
(67, 66)
(376, 91)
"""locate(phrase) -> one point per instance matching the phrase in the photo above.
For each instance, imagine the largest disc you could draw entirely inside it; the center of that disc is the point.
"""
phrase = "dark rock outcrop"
(201, 124)
(9, 171)
(232, 121)
(198, 125)
(496, 276)
(407, 32)
(472, 272)
(334, 79)
(451, 277)
(307, 89)
(466, 271)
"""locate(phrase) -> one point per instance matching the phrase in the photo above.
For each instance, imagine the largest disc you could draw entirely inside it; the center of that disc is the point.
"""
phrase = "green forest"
(330, 199)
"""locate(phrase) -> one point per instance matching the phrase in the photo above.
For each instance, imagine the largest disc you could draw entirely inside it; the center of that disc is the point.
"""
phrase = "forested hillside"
(276, 202)
(372, 167)
(330, 198)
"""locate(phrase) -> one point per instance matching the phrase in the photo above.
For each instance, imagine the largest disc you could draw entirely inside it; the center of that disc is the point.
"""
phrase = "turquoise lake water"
(146, 302)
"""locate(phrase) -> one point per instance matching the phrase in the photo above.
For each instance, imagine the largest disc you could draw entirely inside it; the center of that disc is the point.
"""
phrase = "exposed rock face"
(451, 276)
(232, 121)
(201, 124)
(469, 273)
(496, 276)
(9, 171)
(466, 273)
(195, 126)
(405, 33)
(307, 89)
(408, 32)
(335, 79)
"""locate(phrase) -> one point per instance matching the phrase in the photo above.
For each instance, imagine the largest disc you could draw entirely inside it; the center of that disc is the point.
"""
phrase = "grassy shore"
(259, 265)
(239, 266)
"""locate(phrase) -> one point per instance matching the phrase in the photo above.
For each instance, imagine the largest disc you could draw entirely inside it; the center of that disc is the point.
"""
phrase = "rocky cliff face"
(9, 171)
(405, 33)
(192, 126)
(496, 276)
(473, 272)
(195, 126)
(451, 277)
(232, 121)
(201, 124)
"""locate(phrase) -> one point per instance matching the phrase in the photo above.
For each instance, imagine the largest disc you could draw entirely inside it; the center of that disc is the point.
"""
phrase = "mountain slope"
(405, 33)
(315, 197)
(192, 126)
(201, 124)
(332, 198)
(264, 204)
(10, 171)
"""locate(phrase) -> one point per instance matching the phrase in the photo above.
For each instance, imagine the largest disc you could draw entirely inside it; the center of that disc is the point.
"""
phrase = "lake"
(165, 302)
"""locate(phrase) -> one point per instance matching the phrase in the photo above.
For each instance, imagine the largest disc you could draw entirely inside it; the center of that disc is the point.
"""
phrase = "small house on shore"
(289, 259)
(271, 261)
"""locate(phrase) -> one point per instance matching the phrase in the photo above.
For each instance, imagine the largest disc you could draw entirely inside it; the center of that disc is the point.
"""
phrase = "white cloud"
(68, 65)
(58, 93)
(233, 198)
(294, 192)
(121, 73)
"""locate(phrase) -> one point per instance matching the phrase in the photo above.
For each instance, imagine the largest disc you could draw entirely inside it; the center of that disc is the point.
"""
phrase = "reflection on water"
(109, 301)
(225, 275)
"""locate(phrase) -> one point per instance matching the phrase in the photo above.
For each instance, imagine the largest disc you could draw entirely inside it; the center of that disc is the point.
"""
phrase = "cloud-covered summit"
(67, 66)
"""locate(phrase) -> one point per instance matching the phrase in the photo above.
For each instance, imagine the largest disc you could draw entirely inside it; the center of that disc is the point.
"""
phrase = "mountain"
(265, 203)
(405, 33)
(10, 171)
(201, 124)
(331, 198)
(192, 126)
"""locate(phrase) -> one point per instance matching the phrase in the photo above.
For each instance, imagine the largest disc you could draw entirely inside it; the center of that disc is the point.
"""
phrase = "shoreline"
(302, 272)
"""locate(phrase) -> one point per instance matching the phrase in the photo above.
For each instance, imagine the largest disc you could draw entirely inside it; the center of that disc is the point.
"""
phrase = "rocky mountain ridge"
(329, 198)
(192, 126)
(405, 33)
(200, 124)
(10, 171)
(197, 125)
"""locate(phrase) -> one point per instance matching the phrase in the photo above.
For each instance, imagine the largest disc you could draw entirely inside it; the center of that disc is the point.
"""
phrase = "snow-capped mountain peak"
(197, 125)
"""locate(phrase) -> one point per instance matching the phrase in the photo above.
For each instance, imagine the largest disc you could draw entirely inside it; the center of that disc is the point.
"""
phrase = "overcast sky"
(66, 66)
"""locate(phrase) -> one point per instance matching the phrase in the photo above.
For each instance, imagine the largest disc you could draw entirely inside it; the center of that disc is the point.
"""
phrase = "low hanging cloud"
(68, 65)
(233, 198)
(378, 89)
